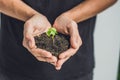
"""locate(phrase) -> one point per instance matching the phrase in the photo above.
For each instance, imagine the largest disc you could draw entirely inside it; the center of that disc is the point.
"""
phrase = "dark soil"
(59, 44)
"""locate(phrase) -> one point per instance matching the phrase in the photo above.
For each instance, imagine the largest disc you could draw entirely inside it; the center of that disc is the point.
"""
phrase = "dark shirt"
(15, 60)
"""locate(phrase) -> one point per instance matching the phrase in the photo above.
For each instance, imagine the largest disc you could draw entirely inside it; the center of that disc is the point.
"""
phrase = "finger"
(59, 28)
(39, 58)
(52, 59)
(31, 42)
(60, 63)
(73, 34)
(54, 64)
(48, 26)
(39, 29)
(25, 44)
(48, 60)
(70, 52)
(36, 32)
(41, 52)
(28, 34)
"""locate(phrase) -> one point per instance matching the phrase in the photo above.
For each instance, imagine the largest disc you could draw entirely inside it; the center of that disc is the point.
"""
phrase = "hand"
(65, 25)
(36, 25)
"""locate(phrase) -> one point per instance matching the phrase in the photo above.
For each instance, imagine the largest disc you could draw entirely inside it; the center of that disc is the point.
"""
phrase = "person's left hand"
(65, 25)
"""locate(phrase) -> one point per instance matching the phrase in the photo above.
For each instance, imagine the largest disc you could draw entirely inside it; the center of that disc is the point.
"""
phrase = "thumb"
(31, 42)
(73, 41)
(28, 31)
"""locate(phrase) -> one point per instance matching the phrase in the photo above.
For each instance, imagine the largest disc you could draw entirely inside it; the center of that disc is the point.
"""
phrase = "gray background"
(107, 43)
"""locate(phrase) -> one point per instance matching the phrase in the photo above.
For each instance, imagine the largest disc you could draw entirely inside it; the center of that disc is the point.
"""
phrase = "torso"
(15, 59)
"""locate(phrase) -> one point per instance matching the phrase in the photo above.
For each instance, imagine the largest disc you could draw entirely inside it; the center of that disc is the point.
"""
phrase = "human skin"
(34, 24)
(81, 12)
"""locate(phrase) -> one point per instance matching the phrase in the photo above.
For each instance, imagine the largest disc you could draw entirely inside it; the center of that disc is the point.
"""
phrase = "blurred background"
(118, 77)
(107, 44)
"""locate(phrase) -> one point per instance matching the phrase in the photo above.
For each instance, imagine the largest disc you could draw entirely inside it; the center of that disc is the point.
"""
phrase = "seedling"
(51, 32)
(52, 41)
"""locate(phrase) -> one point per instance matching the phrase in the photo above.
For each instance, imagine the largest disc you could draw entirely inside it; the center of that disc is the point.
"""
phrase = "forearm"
(16, 9)
(88, 8)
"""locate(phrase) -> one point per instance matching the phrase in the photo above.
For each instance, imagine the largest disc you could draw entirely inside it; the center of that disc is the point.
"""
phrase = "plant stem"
(53, 41)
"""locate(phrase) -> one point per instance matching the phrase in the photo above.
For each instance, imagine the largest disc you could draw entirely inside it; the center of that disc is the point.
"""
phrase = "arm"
(34, 24)
(16, 9)
(67, 23)
(88, 8)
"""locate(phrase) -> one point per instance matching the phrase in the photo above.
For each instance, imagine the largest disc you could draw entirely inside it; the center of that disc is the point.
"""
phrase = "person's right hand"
(36, 25)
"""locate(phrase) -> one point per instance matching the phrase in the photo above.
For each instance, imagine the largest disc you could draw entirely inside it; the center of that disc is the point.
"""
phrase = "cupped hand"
(37, 25)
(67, 26)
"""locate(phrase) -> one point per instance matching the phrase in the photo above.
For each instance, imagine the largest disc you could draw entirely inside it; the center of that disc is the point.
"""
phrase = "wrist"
(70, 15)
(35, 14)
(30, 15)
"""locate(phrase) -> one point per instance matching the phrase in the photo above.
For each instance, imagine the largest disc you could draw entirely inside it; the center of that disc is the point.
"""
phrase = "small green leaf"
(51, 32)
(48, 33)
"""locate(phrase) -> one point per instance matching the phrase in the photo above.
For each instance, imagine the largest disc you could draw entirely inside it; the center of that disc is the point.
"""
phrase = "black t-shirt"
(16, 60)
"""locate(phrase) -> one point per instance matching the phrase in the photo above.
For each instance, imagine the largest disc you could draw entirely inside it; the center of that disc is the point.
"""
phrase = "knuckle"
(70, 24)
(27, 24)
(26, 36)
(33, 51)
(73, 23)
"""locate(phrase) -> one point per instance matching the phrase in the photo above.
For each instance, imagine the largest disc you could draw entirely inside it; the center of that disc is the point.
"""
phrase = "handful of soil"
(56, 45)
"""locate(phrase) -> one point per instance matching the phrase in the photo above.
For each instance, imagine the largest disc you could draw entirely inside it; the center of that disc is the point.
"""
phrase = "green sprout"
(51, 32)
